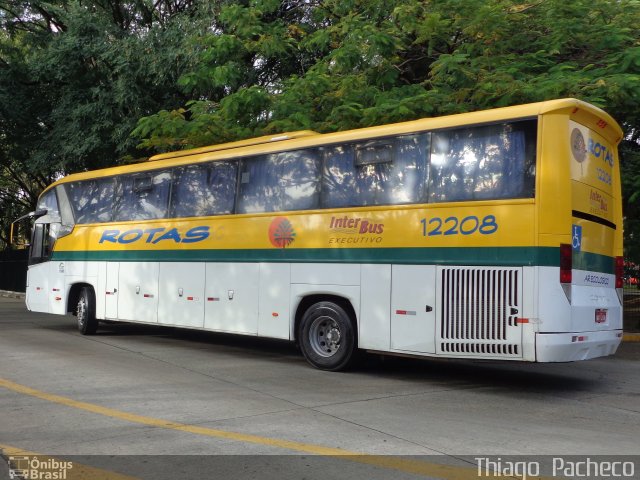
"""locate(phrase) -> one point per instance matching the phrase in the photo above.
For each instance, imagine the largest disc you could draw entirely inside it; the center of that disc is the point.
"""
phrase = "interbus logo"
(355, 230)
(598, 201)
(355, 225)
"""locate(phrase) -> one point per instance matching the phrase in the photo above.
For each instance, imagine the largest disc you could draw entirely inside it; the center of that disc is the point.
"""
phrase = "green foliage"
(344, 64)
(630, 166)
(75, 78)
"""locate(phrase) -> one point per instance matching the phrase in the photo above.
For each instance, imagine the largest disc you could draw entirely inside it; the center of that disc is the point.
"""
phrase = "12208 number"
(454, 226)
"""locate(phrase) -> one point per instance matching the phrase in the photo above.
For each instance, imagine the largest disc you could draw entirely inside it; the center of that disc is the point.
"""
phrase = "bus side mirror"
(21, 241)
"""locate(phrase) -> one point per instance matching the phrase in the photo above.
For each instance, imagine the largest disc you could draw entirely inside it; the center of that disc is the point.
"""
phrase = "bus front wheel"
(327, 336)
(86, 312)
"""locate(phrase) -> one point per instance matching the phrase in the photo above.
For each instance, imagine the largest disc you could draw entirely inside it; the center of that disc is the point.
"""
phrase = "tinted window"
(142, 196)
(379, 172)
(49, 202)
(201, 190)
(92, 201)
(280, 182)
(481, 163)
(40, 243)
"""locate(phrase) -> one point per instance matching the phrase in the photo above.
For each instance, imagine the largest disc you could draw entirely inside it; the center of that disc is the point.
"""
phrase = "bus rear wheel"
(327, 336)
(86, 312)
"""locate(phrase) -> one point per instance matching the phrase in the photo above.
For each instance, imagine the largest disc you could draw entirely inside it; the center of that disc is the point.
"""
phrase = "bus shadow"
(198, 338)
(518, 377)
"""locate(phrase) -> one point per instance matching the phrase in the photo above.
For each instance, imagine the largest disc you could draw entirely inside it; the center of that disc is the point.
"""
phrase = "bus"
(494, 234)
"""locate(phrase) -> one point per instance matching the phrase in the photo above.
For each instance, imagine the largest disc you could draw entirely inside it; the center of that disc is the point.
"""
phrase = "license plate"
(601, 315)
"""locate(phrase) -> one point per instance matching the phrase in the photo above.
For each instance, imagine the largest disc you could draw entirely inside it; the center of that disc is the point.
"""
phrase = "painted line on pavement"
(417, 467)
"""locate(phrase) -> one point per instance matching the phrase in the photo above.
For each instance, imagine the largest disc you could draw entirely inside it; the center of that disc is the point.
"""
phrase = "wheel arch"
(74, 295)
(311, 299)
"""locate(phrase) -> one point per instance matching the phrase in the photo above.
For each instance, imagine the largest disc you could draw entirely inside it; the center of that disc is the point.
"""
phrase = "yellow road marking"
(417, 467)
(74, 471)
(631, 337)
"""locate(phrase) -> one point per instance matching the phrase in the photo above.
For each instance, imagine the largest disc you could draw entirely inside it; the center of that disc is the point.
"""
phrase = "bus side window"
(41, 243)
(407, 182)
(92, 200)
(390, 171)
(37, 237)
(338, 177)
(204, 189)
(49, 202)
(143, 196)
(283, 181)
(483, 163)
(300, 179)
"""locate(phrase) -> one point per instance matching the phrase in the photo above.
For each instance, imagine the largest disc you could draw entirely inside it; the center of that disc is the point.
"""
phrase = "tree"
(276, 66)
(75, 77)
(630, 166)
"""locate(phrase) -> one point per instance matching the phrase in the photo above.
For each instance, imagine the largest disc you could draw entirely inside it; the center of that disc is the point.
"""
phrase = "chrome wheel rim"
(325, 336)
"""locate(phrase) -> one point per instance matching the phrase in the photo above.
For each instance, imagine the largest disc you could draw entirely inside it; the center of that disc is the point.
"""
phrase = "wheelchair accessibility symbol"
(576, 237)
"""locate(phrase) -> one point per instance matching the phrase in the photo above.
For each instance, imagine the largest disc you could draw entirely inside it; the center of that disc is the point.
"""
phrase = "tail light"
(566, 263)
(619, 272)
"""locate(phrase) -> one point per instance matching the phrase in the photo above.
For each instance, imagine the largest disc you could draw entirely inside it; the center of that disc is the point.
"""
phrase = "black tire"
(86, 312)
(327, 336)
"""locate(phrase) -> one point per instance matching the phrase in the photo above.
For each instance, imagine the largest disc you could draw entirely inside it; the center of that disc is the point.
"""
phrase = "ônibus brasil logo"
(281, 232)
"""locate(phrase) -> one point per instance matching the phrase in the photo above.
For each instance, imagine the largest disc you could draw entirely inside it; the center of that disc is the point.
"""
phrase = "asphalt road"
(151, 402)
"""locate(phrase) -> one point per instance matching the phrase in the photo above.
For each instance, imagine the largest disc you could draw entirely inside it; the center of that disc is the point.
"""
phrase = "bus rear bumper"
(570, 347)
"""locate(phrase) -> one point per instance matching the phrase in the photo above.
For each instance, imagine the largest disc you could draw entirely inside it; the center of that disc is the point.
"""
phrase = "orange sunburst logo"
(281, 232)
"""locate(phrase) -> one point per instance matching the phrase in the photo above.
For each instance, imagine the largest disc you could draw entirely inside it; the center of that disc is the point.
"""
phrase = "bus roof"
(231, 145)
(307, 138)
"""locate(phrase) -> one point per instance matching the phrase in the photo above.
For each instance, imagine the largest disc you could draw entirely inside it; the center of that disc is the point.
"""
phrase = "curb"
(631, 337)
(7, 294)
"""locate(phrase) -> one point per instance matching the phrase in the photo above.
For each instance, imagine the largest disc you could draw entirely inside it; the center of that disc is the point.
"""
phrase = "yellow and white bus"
(488, 235)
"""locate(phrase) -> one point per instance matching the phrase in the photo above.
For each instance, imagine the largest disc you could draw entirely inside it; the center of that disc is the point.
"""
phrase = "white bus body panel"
(138, 292)
(274, 306)
(57, 288)
(326, 274)
(111, 290)
(231, 297)
(567, 329)
(419, 310)
(375, 321)
(590, 292)
(37, 296)
(413, 308)
(181, 294)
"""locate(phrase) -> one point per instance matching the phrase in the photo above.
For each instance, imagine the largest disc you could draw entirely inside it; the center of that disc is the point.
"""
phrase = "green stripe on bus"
(480, 256)
(486, 256)
(593, 262)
